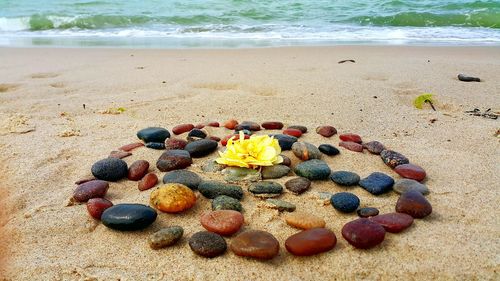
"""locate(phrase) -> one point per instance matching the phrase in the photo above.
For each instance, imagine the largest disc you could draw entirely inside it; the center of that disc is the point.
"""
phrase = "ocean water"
(243, 23)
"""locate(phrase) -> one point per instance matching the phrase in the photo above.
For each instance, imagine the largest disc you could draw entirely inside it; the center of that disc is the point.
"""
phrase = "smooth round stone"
(255, 244)
(377, 183)
(345, 202)
(313, 170)
(328, 149)
(173, 143)
(301, 128)
(280, 205)
(367, 212)
(196, 134)
(147, 182)
(207, 244)
(165, 237)
(182, 128)
(326, 131)
(201, 148)
(352, 146)
(275, 171)
(239, 174)
(393, 159)
(128, 217)
(266, 189)
(211, 166)
(247, 125)
(350, 137)
(311, 242)
(345, 178)
(223, 222)
(363, 233)
(403, 185)
(155, 145)
(304, 220)
(293, 132)
(90, 189)
(224, 202)
(153, 134)
(96, 206)
(285, 141)
(110, 169)
(374, 147)
(272, 125)
(187, 178)
(306, 151)
(212, 189)
(298, 185)
(173, 160)
(137, 170)
(393, 222)
(172, 198)
(230, 124)
(410, 171)
(414, 204)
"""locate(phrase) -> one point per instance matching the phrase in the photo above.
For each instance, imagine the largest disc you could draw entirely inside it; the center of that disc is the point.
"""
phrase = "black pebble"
(328, 149)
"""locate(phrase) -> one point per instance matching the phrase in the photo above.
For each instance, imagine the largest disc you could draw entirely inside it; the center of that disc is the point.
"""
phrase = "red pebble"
(326, 131)
(200, 126)
(90, 189)
(182, 128)
(236, 137)
(119, 154)
(393, 222)
(174, 143)
(131, 146)
(413, 203)
(353, 146)
(231, 124)
(137, 170)
(272, 125)
(214, 124)
(96, 206)
(363, 233)
(293, 132)
(148, 181)
(410, 171)
(311, 242)
(214, 138)
(351, 137)
(223, 222)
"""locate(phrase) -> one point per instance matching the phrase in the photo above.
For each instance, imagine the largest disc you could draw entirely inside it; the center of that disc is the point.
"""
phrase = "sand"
(48, 140)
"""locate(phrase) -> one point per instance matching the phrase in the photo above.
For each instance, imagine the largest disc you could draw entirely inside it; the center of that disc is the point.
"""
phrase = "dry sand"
(48, 140)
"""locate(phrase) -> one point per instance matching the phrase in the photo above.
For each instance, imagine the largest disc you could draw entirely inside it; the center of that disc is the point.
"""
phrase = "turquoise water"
(194, 23)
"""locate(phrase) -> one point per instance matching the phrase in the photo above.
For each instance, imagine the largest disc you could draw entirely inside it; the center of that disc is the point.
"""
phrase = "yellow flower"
(258, 150)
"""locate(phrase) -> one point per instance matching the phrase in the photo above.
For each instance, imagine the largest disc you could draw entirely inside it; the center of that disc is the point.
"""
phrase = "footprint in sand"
(8, 87)
(44, 75)
(265, 92)
(58, 85)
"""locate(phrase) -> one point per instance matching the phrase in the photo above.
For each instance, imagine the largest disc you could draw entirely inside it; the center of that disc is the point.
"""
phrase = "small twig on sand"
(342, 61)
(430, 102)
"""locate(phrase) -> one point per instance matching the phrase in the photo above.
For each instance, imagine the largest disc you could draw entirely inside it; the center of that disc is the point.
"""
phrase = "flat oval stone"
(173, 160)
(201, 148)
(367, 212)
(212, 189)
(119, 154)
(345, 178)
(313, 170)
(377, 183)
(304, 220)
(293, 132)
(165, 237)
(414, 204)
(211, 166)
(128, 217)
(275, 171)
(280, 205)
(153, 134)
(230, 124)
(247, 125)
(393, 222)
(298, 185)
(137, 170)
(352, 146)
(156, 145)
(285, 141)
(130, 146)
(110, 169)
(90, 189)
(147, 182)
(223, 222)
(410, 171)
(213, 124)
(345, 202)
(272, 125)
(301, 128)
(241, 174)
(328, 149)
(223, 202)
(207, 244)
(96, 206)
(255, 244)
(374, 147)
(350, 137)
(363, 233)
(197, 134)
(306, 151)
(173, 143)
(266, 189)
(311, 242)
(187, 178)
(393, 159)
(403, 185)
(326, 131)
(182, 128)
(172, 198)
(286, 160)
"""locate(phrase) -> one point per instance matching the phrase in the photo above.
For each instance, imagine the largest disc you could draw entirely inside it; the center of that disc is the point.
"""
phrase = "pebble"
(182, 128)
(207, 244)
(352, 146)
(147, 182)
(326, 131)
(187, 178)
(223, 202)
(240, 174)
(223, 222)
(153, 134)
(165, 237)
(286, 160)
(367, 212)
(266, 189)
(350, 137)
(313, 170)
(345, 202)
(230, 124)
(212, 189)
(174, 143)
(414, 204)
(131, 146)
(173, 160)
(213, 124)
(137, 170)
(275, 171)
(172, 198)
(272, 125)
(363, 233)
(410, 171)
(403, 185)
(155, 145)
(311, 242)
(247, 125)
(345, 178)
(279, 205)
(285, 141)
(90, 189)
(303, 220)
(377, 183)
(328, 149)
(197, 133)
(293, 132)
(306, 151)
(393, 159)
(255, 244)
(298, 185)
(96, 206)
(301, 128)
(466, 78)
(374, 147)
(110, 169)
(393, 222)
(201, 148)
(128, 217)
(211, 166)
(119, 154)
(84, 180)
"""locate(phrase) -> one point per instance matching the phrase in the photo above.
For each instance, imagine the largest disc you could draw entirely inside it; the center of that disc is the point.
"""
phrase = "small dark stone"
(153, 134)
(377, 183)
(201, 148)
(466, 78)
(165, 237)
(197, 133)
(374, 147)
(275, 171)
(345, 202)
(286, 160)
(128, 217)
(345, 178)
(306, 151)
(272, 125)
(303, 129)
(414, 204)
(155, 145)
(223, 202)
(187, 178)
(392, 158)
(173, 160)
(212, 189)
(313, 169)
(298, 185)
(110, 169)
(247, 125)
(90, 189)
(285, 141)
(207, 244)
(328, 149)
(367, 212)
(266, 189)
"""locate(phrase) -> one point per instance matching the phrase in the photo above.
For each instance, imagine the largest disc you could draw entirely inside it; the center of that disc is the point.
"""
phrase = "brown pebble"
(326, 131)
(80, 181)
(182, 128)
(301, 128)
(272, 125)
(298, 185)
(137, 170)
(173, 143)
(223, 222)
(147, 182)
(286, 160)
(213, 124)
(231, 124)
(131, 146)
(255, 244)
(119, 154)
(311, 242)
(304, 220)
(353, 146)
(374, 147)
(393, 222)
(90, 189)
(350, 137)
(96, 206)
(214, 138)
(413, 203)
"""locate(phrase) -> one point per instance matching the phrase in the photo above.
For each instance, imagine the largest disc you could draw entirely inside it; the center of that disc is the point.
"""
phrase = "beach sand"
(48, 140)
